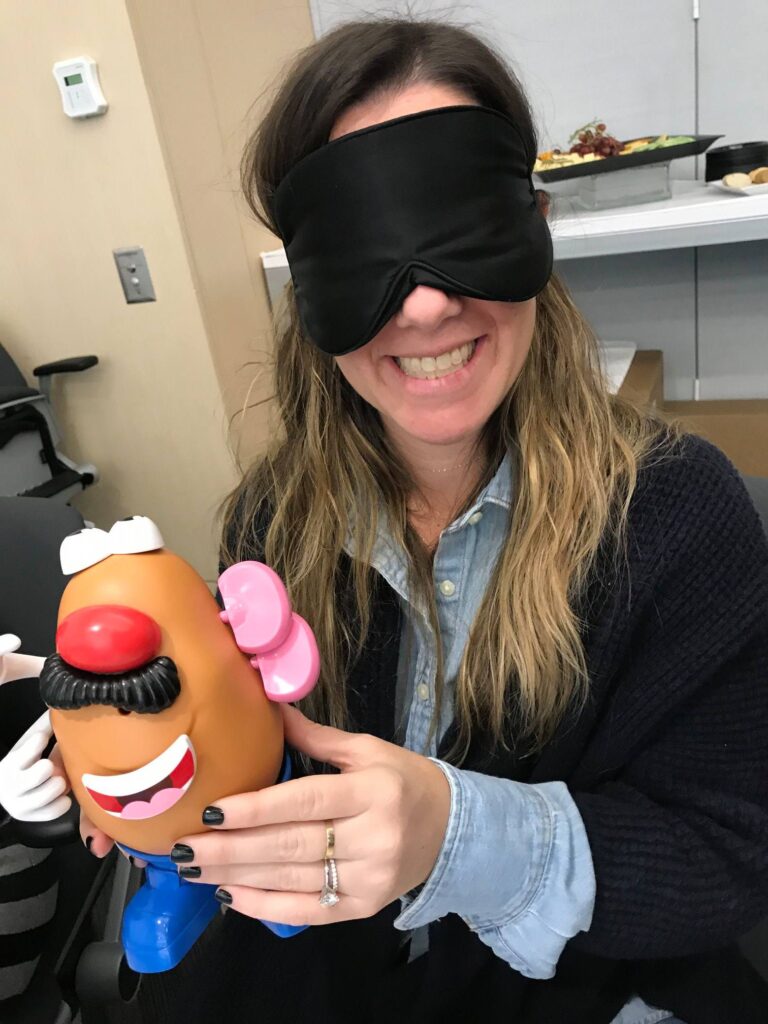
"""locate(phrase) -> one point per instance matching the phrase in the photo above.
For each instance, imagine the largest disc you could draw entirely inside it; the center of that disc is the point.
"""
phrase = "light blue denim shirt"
(515, 863)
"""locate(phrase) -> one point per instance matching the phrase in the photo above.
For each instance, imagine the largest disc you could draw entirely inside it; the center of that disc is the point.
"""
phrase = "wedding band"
(329, 896)
(330, 840)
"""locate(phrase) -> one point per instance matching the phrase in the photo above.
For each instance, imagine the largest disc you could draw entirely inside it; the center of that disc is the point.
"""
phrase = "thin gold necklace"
(447, 469)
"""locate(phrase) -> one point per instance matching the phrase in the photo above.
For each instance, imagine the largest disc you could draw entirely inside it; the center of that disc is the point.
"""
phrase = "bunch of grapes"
(592, 139)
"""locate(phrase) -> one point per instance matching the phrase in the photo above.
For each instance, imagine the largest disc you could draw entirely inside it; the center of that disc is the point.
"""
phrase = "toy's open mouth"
(149, 790)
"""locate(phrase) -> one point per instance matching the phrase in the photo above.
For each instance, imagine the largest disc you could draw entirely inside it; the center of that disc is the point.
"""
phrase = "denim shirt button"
(475, 518)
(448, 588)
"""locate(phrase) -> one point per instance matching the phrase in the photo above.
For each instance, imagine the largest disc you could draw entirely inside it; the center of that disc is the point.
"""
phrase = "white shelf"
(695, 215)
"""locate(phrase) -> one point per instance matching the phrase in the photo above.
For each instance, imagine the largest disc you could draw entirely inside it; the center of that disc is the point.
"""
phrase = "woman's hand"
(389, 809)
(97, 842)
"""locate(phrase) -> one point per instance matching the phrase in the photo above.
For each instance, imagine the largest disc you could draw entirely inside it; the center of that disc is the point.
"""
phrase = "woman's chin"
(449, 433)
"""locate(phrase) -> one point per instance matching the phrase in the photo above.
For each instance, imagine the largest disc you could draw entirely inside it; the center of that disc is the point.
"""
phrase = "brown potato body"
(235, 730)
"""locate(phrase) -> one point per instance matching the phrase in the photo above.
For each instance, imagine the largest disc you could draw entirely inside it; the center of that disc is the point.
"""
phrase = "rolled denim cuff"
(515, 864)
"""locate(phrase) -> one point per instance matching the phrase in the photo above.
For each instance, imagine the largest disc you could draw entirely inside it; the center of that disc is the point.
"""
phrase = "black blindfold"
(442, 198)
(147, 690)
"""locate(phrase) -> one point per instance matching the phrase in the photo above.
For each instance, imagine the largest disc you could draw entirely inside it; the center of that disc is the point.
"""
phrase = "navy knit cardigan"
(667, 762)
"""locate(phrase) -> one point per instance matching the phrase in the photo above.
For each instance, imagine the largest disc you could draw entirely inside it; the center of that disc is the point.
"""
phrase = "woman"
(543, 614)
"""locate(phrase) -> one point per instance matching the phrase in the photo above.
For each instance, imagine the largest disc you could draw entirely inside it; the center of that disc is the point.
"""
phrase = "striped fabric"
(28, 890)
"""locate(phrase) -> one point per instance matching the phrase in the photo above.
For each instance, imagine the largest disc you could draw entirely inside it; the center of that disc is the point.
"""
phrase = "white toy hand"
(31, 787)
(17, 666)
(8, 644)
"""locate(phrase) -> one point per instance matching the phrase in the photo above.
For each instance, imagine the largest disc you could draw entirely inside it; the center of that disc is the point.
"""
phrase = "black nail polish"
(88, 843)
(181, 853)
(223, 896)
(213, 816)
(190, 872)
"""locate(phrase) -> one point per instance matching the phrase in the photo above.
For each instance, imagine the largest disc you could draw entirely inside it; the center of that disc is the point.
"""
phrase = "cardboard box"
(739, 427)
(644, 382)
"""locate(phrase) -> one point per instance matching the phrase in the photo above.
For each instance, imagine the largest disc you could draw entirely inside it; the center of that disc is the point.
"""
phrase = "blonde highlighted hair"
(576, 448)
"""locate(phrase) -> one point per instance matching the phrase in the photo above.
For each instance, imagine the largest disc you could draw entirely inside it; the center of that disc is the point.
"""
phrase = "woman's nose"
(427, 307)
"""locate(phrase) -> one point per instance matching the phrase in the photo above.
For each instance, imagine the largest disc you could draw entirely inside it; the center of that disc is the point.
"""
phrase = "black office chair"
(30, 462)
(81, 964)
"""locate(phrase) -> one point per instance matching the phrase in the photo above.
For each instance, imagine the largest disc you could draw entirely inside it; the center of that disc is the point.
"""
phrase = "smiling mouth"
(149, 790)
(434, 367)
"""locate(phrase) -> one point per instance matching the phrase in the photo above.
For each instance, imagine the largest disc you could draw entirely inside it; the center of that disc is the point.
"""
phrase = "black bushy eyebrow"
(147, 690)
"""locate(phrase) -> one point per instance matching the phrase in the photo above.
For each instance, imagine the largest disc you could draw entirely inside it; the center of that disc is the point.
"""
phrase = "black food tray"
(621, 163)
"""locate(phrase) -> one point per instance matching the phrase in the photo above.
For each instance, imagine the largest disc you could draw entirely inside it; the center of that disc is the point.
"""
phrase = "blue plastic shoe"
(169, 914)
(166, 916)
(284, 931)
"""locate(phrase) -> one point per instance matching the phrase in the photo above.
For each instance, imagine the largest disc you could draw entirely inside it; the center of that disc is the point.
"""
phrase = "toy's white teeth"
(142, 778)
(432, 367)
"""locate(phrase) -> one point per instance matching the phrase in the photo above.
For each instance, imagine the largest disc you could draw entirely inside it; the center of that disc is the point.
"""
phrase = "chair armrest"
(73, 365)
(44, 834)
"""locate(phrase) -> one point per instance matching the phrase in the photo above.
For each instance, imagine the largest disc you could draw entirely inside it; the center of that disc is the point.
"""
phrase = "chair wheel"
(103, 975)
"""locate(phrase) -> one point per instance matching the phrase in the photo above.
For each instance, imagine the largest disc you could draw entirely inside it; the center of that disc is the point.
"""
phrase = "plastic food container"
(742, 157)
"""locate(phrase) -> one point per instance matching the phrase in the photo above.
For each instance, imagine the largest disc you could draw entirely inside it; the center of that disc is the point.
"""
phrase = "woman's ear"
(543, 201)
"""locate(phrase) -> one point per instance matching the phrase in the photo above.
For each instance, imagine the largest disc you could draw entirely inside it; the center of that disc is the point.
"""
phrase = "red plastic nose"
(107, 638)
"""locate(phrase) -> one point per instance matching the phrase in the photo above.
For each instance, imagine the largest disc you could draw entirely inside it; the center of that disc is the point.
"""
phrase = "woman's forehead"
(387, 106)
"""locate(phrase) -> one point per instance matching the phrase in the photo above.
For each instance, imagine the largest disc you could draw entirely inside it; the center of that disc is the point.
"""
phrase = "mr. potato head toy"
(162, 704)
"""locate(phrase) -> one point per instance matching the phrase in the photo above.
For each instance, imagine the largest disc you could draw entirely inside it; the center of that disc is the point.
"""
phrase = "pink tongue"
(161, 801)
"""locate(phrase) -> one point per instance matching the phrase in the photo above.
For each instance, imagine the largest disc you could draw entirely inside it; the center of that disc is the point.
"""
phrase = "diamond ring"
(329, 896)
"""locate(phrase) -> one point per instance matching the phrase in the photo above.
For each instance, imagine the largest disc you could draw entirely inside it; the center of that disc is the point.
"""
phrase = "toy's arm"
(17, 666)
(258, 610)
(31, 789)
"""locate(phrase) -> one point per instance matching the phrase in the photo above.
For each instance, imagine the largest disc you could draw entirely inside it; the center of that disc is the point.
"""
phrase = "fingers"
(36, 774)
(17, 666)
(279, 877)
(322, 742)
(138, 862)
(9, 643)
(36, 737)
(25, 755)
(282, 877)
(42, 800)
(96, 841)
(302, 843)
(49, 812)
(30, 787)
(58, 765)
(295, 908)
(316, 798)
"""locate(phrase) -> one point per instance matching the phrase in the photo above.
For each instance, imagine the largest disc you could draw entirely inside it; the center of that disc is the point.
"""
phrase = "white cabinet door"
(733, 60)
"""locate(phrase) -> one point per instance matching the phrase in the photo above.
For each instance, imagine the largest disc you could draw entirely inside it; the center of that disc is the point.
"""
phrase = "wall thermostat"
(78, 81)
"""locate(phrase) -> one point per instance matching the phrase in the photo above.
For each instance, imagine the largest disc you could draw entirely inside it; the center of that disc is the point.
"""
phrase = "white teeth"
(141, 778)
(431, 367)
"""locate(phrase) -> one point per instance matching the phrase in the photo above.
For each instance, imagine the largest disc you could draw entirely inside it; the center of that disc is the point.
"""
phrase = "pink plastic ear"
(259, 613)
(256, 606)
(291, 670)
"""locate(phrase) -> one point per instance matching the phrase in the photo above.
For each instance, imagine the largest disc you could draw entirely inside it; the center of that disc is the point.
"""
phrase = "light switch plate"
(134, 274)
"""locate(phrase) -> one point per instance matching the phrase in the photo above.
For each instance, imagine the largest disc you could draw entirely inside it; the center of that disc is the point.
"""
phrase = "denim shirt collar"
(391, 562)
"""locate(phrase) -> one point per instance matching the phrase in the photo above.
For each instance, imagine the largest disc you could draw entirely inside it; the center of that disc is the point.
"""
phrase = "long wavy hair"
(576, 448)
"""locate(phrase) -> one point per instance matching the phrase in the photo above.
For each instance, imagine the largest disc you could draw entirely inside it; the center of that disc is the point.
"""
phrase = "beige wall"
(158, 170)
(210, 69)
